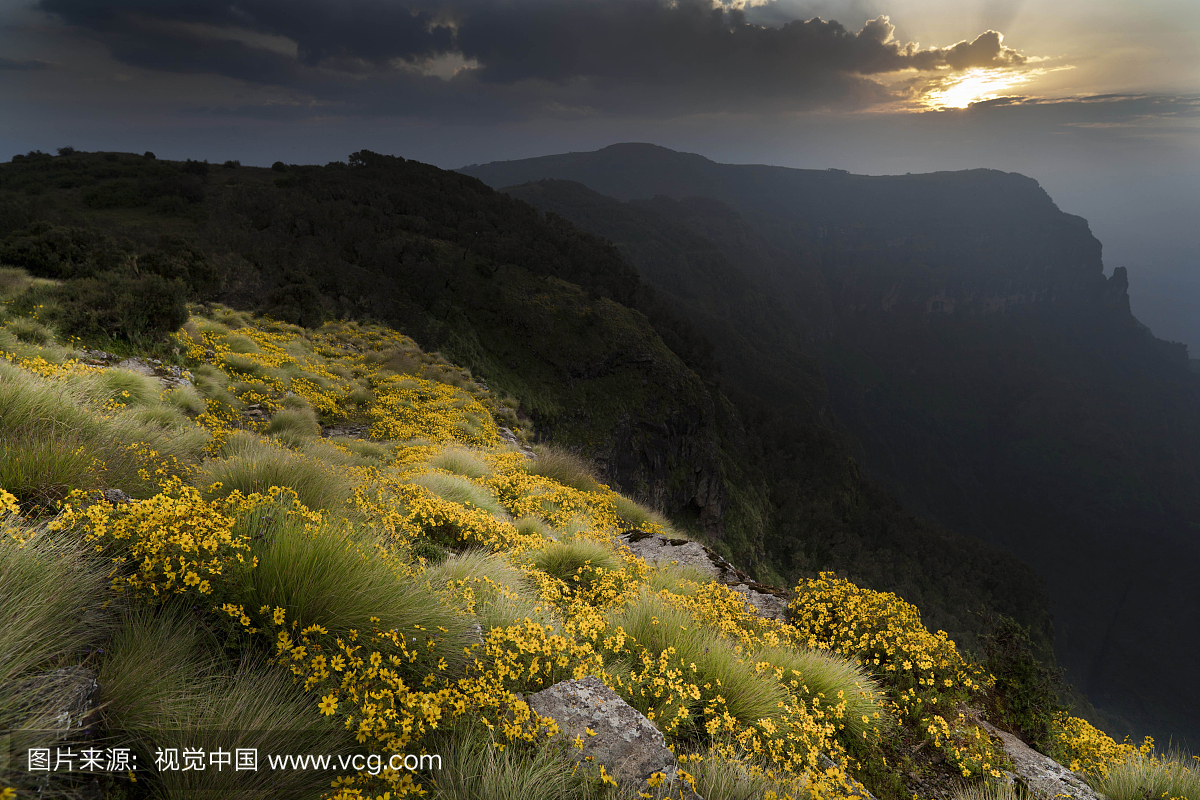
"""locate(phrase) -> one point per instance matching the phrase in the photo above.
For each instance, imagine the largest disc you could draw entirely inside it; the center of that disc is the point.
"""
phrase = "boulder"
(627, 744)
(1043, 777)
(655, 548)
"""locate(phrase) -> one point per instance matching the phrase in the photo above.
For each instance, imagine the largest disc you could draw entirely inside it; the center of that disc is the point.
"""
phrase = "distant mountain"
(959, 327)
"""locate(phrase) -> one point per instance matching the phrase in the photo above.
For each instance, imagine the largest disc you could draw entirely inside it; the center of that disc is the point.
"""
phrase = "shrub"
(565, 468)
(1025, 694)
(120, 306)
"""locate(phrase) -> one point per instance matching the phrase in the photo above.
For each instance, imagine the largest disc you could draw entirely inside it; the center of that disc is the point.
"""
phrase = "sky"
(1099, 100)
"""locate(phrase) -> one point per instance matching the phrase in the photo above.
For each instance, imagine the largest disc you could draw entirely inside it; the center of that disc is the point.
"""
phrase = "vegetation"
(316, 619)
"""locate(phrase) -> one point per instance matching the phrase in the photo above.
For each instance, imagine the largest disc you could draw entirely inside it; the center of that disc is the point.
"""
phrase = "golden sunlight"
(972, 86)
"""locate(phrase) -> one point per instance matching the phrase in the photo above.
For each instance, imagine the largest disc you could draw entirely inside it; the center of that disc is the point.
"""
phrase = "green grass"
(334, 576)
(29, 331)
(186, 398)
(822, 674)
(474, 768)
(486, 573)
(721, 779)
(294, 423)
(52, 595)
(576, 562)
(256, 468)
(460, 461)
(458, 489)
(564, 467)
(989, 790)
(654, 626)
(53, 439)
(635, 515)
(1176, 775)
(123, 387)
(678, 579)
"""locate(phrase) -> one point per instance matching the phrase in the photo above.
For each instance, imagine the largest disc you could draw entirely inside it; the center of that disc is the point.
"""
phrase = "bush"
(1025, 695)
(119, 306)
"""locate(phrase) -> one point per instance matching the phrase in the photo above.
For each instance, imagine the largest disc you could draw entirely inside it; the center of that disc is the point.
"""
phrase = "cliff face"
(986, 371)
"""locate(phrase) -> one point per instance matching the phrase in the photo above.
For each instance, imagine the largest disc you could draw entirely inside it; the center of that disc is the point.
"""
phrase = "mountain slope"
(990, 375)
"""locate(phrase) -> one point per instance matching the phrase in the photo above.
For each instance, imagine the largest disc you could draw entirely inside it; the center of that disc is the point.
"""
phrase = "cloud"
(549, 57)
(17, 64)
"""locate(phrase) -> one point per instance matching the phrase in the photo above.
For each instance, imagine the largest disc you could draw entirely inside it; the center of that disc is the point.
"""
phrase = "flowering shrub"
(173, 543)
(1090, 751)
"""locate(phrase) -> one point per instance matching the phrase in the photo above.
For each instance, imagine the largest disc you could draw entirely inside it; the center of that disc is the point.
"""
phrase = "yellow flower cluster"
(413, 408)
(8, 505)
(1090, 751)
(173, 543)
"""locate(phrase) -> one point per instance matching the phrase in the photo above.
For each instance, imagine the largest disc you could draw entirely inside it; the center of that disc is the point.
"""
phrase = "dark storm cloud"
(541, 56)
(27, 64)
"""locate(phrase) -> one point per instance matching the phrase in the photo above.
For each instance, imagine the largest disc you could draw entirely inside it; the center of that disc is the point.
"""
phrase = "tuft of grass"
(678, 579)
(535, 526)
(460, 461)
(294, 423)
(52, 440)
(576, 562)
(565, 467)
(654, 625)
(122, 386)
(818, 673)
(637, 516)
(458, 489)
(727, 779)
(165, 416)
(334, 576)
(988, 790)
(186, 398)
(475, 767)
(257, 467)
(502, 595)
(29, 331)
(242, 344)
(51, 593)
(1176, 775)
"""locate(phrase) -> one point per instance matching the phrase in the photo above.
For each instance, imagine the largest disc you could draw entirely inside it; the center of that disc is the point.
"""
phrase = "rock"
(63, 698)
(137, 365)
(627, 744)
(1043, 777)
(511, 438)
(655, 548)
(115, 496)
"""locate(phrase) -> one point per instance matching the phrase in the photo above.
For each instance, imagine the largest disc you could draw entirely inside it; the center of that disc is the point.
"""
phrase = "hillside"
(989, 375)
(200, 561)
(558, 323)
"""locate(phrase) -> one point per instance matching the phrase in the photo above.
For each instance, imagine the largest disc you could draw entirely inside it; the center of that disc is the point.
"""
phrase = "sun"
(972, 86)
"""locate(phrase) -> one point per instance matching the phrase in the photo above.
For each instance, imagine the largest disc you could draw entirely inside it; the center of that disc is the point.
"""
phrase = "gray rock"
(1043, 777)
(767, 601)
(625, 742)
(116, 496)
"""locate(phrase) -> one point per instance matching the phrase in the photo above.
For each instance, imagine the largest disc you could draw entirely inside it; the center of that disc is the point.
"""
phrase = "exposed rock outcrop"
(658, 549)
(612, 732)
(1041, 776)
